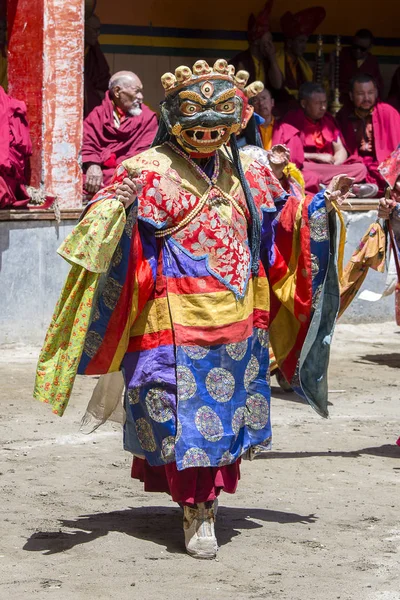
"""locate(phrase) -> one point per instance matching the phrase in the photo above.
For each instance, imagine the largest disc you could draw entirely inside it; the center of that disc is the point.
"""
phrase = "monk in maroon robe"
(274, 132)
(357, 60)
(325, 155)
(15, 149)
(371, 129)
(296, 29)
(122, 126)
(259, 60)
(96, 70)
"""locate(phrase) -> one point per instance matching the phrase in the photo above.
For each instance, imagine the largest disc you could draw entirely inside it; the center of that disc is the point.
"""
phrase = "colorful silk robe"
(180, 313)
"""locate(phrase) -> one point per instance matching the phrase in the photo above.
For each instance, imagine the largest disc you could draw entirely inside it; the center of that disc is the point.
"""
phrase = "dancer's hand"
(127, 191)
(385, 207)
(338, 190)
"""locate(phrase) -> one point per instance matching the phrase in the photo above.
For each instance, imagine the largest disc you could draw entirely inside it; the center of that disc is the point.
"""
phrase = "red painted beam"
(46, 71)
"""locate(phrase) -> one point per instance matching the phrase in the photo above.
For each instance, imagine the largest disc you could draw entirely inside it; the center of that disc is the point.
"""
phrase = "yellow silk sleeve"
(92, 242)
(89, 248)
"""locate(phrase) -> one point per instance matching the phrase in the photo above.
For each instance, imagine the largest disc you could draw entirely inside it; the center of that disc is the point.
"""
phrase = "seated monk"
(296, 29)
(273, 131)
(356, 60)
(96, 70)
(259, 60)
(121, 126)
(371, 129)
(15, 149)
(324, 152)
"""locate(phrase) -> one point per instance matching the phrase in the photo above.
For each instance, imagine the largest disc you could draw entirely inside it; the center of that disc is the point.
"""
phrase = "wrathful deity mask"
(204, 106)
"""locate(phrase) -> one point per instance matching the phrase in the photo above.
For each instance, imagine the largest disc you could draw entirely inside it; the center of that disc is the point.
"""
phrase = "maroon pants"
(12, 193)
(315, 173)
(190, 486)
(373, 175)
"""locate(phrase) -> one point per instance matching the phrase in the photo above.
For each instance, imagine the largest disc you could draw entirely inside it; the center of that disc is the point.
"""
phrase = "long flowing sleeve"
(298, 254)
(90, 249)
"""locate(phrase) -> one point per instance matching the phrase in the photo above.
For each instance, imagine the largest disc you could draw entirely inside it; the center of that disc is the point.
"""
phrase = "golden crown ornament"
(201, 71)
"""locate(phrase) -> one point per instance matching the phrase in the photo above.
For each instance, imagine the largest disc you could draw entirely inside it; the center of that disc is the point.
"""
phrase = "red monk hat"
(304, 22)
(259, 25)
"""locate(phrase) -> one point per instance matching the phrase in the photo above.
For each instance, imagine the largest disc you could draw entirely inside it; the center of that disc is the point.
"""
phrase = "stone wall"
(32, 274)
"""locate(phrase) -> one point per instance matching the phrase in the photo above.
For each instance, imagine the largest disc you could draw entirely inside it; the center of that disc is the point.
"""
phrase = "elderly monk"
(15, 149)
(259, 60)
(324, 152)
(371, 129)
(96, 70)
(121, 126)
(356, 60)
(273, 131)
(296, 29)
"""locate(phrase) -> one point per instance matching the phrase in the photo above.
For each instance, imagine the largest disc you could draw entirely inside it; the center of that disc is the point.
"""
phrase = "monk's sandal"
(198, 527)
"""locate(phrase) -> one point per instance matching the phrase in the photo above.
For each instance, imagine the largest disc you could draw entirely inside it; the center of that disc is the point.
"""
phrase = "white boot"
(198, 526)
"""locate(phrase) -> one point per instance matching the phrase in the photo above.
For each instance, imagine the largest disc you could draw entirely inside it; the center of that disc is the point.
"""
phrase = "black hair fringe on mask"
(251, 133)
(162, 134)
(255, 227)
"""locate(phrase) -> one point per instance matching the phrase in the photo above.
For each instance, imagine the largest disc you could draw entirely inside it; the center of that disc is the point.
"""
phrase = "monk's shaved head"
(126, 90)
(123, 79)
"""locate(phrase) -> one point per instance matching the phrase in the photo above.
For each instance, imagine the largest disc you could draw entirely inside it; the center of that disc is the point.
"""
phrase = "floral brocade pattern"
(186, 383)
(158, 405)
(209, 424)
(145, 435)
(238, 350)
(93, 241)
(205, 222)
(65, 340)
(195, 457)
(319, 228)
(220, 384)
(219, 235)
(196, 352)
(256, 413)
(90, 248)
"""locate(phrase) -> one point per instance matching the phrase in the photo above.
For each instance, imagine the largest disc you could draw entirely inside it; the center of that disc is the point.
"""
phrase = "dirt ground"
(317, 519)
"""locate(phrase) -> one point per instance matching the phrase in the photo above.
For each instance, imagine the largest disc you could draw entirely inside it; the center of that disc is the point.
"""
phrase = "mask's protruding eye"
(190, 108)
(226, 107)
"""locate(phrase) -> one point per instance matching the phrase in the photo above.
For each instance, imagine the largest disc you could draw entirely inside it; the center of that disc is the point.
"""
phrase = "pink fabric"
(15, 148)
(316, 173)
(106, 145)
(286, 134)
(190, 486)
(325, 131)
(386, 130)
(319, 138)
(386, 134)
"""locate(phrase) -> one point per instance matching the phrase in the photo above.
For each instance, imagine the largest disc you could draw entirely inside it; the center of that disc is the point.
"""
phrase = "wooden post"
(45, 70)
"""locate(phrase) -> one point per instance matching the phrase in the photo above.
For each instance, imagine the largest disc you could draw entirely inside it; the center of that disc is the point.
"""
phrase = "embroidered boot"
(198, 527)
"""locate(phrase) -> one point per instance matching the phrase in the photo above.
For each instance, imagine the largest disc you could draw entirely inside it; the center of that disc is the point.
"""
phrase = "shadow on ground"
(157, 524)
(386, 450)
(389, 360)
